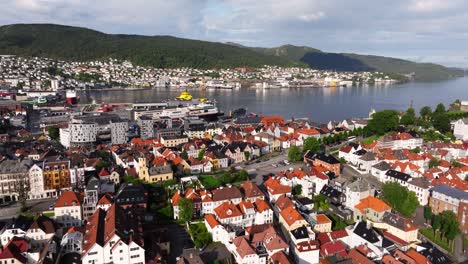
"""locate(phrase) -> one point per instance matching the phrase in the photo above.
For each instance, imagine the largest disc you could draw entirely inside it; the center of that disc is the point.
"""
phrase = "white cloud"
(406, 28)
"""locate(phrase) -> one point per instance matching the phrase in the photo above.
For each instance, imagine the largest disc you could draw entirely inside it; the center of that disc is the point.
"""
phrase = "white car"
(274, 165)
(286, 162)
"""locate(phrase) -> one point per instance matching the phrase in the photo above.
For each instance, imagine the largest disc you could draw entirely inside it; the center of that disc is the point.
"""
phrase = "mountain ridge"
(83, 44)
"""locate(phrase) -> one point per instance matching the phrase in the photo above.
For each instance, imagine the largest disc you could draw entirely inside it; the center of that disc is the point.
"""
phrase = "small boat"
(184, 96)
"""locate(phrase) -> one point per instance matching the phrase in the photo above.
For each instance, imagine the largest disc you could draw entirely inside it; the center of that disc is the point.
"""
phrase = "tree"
(425, 112)
(383, 121)
(297, 190)
(441, 122)
(440, 108)
(185, 210)
(102, 164)
(434, 162)
(22, 194)
(456, 164)
(400, 198)
(436, 224)
(247, 155)
(201, 154)
(427, 213)
(184, 154)
(449, 226)
(54, 132)
(294, 154)
(311, 144)
(409, 117)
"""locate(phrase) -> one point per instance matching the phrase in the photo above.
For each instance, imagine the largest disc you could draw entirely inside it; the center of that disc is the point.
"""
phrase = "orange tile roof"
(227, 210)
(273, 186)
(372, 203)
(416, 256)
(291, 215)
(261, 205)
(323, 219)
(211, 219)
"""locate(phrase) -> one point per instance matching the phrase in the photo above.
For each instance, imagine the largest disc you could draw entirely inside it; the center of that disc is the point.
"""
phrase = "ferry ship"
(183, 106)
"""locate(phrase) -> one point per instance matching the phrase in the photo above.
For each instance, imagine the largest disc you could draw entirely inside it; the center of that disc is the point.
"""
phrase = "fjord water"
(319, 104)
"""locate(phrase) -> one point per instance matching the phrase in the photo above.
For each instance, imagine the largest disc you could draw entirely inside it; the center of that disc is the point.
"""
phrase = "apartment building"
(445, 198)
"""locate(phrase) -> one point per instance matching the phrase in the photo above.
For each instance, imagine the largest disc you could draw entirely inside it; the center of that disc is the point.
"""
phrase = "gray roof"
(396, 221)
(360, 185)
(420, 182)
(383, 166)
(452, 192)
(15, 166)
(160, 170)
(369, 156)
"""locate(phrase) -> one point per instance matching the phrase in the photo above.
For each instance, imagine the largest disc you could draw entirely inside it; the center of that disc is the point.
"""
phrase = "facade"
(323, 224)
(370, 208)
(13, 174)
(56, 176)
(445, 198)
(173, 141)
(108, 239)
(88, 129)
(460, 129)
(146, 125)
(67, 209)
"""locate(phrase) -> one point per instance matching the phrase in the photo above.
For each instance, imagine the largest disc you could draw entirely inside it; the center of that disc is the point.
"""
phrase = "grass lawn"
(429, 233)
(337, 222)
(369, 140)
(200, 235)
(49, 214)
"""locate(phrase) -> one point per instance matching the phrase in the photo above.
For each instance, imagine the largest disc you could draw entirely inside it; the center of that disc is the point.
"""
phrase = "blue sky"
(420, 30)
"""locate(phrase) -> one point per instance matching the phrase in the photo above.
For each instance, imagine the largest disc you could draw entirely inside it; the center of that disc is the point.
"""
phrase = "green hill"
(354, 62)
(81, 44)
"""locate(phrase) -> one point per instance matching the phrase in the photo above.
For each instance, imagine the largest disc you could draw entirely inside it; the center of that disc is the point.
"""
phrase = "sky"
(419, 30)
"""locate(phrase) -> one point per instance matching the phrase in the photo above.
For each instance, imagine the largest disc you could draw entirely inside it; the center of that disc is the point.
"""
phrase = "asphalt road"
(34, 206)
(257, 170)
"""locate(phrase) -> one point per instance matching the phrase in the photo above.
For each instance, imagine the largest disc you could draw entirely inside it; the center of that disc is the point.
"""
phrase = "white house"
(67, 209)
(460, 129)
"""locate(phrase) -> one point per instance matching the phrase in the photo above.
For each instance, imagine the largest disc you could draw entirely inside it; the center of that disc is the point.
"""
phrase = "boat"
(42, 100)
(184, 96)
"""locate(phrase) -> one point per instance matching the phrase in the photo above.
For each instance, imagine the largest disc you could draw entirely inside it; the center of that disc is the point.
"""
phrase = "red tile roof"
(273, 186)
(227, 210)
(211, 219)
(68, 198)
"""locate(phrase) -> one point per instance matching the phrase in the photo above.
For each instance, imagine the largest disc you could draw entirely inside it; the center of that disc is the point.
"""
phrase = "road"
(34, 206)
(257, 170)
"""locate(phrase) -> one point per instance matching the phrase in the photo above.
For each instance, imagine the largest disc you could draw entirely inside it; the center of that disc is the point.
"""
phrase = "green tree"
(409, 117)
(456, 164)
(434, 162)
(201, 154)
(185, 210)
(441, 122)
(436, 224)
(311, 144)
(383, 121)
(440, 108)
(54, 132)
(247, 155)
(297, 190)
(184, 154)
(400, 198)
(425, 112)
(294, 154)
(427, 213)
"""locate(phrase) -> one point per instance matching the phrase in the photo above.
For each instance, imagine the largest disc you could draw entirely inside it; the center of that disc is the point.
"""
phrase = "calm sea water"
(319, 104)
